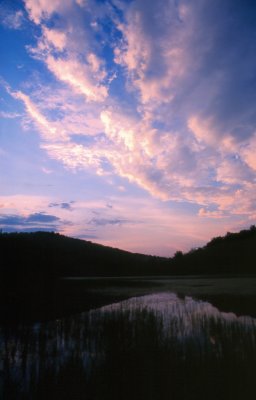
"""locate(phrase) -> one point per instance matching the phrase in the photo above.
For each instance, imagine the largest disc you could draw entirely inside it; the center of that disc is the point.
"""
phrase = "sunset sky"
(128, 123)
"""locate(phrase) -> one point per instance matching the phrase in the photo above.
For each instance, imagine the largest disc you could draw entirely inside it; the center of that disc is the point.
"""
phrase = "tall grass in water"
(153, 347)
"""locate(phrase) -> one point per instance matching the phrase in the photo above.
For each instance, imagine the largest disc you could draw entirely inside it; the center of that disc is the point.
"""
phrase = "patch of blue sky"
(8, 105)
(15, 56)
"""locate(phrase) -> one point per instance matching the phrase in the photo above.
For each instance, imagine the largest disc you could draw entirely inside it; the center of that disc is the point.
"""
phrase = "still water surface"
(157, 346)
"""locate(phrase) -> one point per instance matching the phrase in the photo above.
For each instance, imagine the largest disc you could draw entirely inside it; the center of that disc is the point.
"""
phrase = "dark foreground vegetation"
(157, 348)
(32, 266)
(160, 346)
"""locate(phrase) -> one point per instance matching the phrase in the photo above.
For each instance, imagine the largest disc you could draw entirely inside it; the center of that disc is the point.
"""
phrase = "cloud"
(10, 18)
(9, 115)
(65, 206)
(41, 217)
(43, 9)
(81, 77)
(178, 119)
(29, 204)
(76, 156)
(248, 152)
(164, 229)
(210, 214)
(57, 113)
(68, 54)
(52, 37)
(234, 171)
(36, 221)
(87, 236)
(47, 170)
(105, 221)
(202, 131)
(232, 84)
(152, 49)
(47, 128)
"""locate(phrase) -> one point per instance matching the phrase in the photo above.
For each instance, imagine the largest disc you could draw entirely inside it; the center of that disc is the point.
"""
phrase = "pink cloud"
(25, 204)
(165, 166)
(203, 130)
(248, 152)
(53, 37)
(155, 62)
(66, 50)
(78, 76)
(194, 161)
(210, 214)
(119, 131)
(11, 19)
(233, 171)
(42, 9)
(47, 129)
(75, 156)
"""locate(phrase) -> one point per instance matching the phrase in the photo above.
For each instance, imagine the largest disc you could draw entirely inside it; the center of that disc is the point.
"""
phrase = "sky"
(130, 123)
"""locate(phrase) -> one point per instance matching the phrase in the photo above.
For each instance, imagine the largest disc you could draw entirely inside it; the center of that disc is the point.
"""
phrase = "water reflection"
(151, 347)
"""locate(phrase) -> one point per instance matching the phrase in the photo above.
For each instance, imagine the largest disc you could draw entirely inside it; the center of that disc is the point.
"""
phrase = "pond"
(158, 346)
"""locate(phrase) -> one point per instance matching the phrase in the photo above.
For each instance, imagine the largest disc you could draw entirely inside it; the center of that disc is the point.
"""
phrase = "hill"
(46, 255)
(234, 253)
(58, 255)
(32, 264)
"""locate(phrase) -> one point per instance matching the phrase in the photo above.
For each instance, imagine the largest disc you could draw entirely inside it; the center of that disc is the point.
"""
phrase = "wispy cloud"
(43, 9)
(68, 57)
(158, 94)
(152, 49)
(10, 18)
(81, 77)
(137, 224)
(47, 128)
(105, 221)
(9, 115)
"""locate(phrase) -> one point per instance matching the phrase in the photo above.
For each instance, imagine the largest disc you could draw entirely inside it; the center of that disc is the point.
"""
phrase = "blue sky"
(128, 123)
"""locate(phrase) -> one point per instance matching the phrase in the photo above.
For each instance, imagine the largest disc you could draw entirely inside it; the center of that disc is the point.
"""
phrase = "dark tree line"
(46, 256)
(234, 253)
(32, 263)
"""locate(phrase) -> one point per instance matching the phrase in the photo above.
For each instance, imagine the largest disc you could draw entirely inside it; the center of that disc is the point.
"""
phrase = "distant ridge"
(65, 256)
(55, 255)
(32, 264)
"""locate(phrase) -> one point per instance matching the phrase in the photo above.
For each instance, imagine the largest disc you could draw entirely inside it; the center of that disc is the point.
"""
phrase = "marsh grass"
(153, 347)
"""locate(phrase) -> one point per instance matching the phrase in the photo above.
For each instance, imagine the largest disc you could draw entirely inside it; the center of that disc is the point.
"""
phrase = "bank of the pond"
(74, 295)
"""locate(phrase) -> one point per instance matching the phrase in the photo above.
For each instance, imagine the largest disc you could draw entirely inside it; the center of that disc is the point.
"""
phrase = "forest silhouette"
(33, 264)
